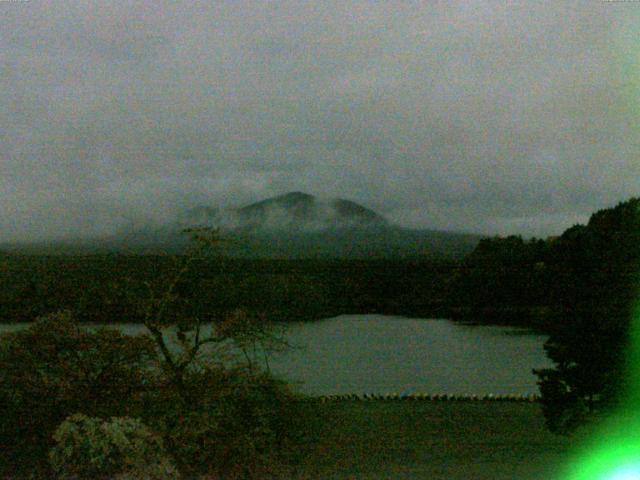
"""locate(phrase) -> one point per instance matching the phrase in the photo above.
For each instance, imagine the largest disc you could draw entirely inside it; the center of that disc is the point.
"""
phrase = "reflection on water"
(383, 354)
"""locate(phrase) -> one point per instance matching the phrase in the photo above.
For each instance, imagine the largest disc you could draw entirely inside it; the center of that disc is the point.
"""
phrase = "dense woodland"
(580, 288)
(104, 288)
(588, 268)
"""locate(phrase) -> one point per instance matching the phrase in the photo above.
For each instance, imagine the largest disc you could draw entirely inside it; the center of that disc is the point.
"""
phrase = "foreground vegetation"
(95, 403)
(62, 387)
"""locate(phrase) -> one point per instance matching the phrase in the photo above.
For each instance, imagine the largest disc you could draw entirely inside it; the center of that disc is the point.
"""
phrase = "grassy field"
(430, 440)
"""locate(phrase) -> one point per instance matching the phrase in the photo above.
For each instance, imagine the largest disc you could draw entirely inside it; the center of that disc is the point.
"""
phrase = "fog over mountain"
(292, 225)
(290, 212)
(486, 116)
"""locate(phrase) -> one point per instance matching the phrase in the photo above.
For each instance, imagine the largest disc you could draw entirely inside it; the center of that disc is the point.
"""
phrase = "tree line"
(106, 288)
(580, 288)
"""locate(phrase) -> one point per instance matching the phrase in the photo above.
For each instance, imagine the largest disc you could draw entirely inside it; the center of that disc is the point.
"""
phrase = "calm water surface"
(383, 354)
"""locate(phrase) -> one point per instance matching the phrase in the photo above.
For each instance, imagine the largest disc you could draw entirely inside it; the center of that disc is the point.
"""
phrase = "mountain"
(299, 225)
(295, 225)
(303, 212)
(291, 212)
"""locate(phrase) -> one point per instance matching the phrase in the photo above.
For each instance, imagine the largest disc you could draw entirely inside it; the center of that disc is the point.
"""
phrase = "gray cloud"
(477, 116)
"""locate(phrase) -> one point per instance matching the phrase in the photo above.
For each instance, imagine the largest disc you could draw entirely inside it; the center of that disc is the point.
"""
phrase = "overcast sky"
(493, 117)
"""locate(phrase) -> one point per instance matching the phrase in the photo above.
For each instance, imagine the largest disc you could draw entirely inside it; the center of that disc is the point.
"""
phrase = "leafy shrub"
(119, 448)
(55, 368)
(234, 424)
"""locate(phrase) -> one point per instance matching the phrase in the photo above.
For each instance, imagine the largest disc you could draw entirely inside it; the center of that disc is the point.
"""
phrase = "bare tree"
(249, 334)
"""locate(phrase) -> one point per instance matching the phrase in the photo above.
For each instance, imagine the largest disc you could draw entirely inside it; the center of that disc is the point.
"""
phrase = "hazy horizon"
(481, 117)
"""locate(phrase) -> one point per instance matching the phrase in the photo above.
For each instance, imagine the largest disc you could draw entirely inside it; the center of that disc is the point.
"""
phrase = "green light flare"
(612, 451)
(626, 473)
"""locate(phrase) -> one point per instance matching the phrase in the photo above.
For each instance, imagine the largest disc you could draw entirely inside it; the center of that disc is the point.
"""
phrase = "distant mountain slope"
(301, 212)
(293, 225)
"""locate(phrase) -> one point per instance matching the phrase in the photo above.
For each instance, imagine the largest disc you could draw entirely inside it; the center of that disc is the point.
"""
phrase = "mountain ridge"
(290, 211)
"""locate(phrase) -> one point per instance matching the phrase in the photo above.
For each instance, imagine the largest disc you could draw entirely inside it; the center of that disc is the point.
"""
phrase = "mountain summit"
(301, 211)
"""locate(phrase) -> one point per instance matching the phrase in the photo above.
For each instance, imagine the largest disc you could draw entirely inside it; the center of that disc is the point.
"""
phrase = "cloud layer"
(476, 116)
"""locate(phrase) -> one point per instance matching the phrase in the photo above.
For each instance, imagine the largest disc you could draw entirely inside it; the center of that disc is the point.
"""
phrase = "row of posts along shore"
(438, 397)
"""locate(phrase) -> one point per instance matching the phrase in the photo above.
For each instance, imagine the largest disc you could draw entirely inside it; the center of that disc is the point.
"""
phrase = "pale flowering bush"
(120, 448)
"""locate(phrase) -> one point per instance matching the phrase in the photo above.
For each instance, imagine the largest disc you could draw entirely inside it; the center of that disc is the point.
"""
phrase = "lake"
(385, 354)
